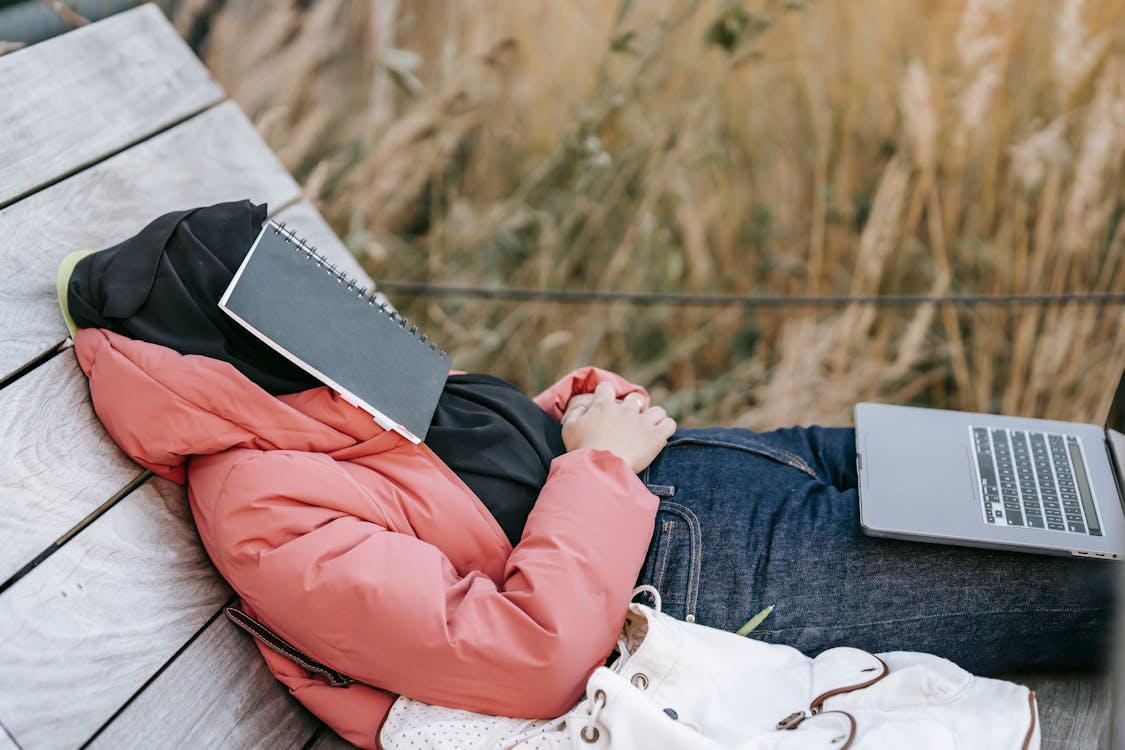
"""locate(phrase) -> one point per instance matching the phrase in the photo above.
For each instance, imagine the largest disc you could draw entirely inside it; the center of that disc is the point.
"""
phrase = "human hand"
(582, 401)
(579, 402)
(623, 427)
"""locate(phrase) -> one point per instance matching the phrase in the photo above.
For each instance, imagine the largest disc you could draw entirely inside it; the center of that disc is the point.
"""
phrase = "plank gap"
(215, 156)
(71, 99)
(318, 735)
(160, 671)
(7, 742)
(217, 693)
(24, 369)
(94, 515)
(111, 607)
(108, 155)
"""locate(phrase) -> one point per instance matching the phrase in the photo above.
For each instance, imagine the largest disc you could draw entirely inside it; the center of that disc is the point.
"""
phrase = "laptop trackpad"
(921, 488)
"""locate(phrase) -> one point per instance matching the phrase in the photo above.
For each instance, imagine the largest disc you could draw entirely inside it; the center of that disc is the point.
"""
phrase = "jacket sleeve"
(393, 611)
(583, 380)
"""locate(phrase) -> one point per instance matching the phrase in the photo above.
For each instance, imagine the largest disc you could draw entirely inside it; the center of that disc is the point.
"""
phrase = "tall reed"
(866, 147)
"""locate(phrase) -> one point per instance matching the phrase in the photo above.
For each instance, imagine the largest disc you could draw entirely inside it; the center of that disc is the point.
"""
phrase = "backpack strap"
(276, 643)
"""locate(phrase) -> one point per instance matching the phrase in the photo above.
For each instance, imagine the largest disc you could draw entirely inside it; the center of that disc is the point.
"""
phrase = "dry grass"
(869, 146)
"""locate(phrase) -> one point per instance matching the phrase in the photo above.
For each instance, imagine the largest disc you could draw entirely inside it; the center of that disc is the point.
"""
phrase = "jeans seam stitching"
(780, 455)
(920, 618)
(662, 561)
(695, 534)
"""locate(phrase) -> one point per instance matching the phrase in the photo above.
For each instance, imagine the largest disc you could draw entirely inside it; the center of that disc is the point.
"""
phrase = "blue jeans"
(751, 519)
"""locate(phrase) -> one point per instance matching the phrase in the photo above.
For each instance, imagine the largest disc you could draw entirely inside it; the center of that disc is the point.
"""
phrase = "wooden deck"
(110, 629)
(110, 626)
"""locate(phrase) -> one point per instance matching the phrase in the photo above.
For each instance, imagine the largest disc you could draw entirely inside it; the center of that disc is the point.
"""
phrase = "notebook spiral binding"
(310, 251)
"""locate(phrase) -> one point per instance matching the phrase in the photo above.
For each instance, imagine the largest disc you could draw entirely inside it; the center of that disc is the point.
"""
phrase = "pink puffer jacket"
(367, 553)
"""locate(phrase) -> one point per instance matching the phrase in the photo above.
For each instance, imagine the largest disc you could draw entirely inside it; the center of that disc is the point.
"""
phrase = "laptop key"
(1035, 479)
(987, 471)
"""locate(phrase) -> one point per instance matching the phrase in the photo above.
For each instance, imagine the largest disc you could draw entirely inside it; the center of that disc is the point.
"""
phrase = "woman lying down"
(490, 569)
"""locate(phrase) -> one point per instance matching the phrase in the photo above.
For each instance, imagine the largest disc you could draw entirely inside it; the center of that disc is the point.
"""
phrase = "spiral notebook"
(290, 296)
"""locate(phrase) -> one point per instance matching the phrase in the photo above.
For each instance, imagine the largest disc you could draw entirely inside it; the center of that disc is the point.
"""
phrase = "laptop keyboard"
(1034, 479)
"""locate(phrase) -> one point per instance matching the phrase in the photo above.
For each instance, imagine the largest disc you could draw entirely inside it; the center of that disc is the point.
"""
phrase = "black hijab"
(162, 285)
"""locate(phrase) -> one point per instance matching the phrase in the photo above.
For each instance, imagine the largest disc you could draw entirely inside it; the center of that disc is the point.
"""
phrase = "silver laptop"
(981, 480)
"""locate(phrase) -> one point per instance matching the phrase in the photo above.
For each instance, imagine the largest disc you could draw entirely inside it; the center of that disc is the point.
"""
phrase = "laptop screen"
(1115, 432)
(1115, 435)
(1116, 418)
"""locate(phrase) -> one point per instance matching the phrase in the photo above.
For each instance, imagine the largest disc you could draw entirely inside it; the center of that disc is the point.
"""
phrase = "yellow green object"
(754, 621)
(66, 268)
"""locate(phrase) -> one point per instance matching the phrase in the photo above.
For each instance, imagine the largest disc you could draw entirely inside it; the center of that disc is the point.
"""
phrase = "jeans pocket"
(675, 556)
(743, 442)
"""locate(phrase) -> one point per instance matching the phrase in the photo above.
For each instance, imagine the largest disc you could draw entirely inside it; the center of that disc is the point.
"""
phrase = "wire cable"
(577, 296)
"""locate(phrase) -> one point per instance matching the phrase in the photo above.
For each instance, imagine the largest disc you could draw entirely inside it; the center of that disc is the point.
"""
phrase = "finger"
(635, 400)
(605, 392)
(582, 399)
(580, 409)
(641, 398)
(666, 427)
(574, 413)
(655, 414)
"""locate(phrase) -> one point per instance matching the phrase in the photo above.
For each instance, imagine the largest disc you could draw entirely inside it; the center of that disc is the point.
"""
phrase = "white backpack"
(683, 686)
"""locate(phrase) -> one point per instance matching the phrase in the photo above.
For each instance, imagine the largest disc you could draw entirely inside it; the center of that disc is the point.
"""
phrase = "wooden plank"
(71, 100)
(70, 469)
(59, 463)
(217, 693)
(329, 740)
(86, 629)
(213, 157)
(306, 221)
(1073, 707)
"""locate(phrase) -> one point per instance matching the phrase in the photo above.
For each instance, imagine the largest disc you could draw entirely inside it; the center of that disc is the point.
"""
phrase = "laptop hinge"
(1115, 447)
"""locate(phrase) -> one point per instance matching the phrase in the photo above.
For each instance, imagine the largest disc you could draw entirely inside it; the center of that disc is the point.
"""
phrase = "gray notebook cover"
(293, 299)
